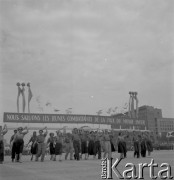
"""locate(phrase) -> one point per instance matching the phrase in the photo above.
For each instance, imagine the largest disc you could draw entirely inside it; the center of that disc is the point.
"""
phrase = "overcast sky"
(87, 55)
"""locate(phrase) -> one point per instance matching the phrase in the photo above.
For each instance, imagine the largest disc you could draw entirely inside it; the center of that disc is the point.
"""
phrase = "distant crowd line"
(77, 144)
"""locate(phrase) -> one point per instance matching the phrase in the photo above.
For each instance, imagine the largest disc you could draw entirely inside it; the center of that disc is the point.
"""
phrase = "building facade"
(150, 115)
(164, 126)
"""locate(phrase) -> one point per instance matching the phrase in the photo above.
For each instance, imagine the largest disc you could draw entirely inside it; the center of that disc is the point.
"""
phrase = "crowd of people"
(79, 144)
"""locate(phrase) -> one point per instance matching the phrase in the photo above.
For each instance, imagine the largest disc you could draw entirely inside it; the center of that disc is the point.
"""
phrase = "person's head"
(92, 132)
(51, 134)
(40, 131)
(106, 131)
(15, 131)
(34, 133)
(119, 133)
(75, 130)
(20, 129)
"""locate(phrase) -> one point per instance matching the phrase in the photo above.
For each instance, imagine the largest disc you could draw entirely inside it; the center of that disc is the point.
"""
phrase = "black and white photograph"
(86, 89)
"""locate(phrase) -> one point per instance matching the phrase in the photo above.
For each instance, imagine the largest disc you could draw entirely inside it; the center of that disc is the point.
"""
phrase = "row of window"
(167, 128)
(166, 122)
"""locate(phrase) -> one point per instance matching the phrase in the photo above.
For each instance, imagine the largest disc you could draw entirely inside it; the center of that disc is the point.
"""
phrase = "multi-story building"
(150, 115)
(164, 126)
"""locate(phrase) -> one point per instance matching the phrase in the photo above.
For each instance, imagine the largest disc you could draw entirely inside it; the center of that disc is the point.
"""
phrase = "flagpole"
(28, 107)
(19, 92)
(23, 97)
(29, 96)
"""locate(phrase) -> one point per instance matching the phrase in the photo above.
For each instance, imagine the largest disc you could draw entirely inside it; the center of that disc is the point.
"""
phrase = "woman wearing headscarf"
(51, 142)
(34, 144)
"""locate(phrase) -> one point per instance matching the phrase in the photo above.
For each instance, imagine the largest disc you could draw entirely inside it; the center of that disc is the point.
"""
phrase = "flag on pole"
(136, 106)
(109, 111)
(56, 110)
(23, 97)
(30, 95)
(19, 92)
(99, 112)
(48, 104)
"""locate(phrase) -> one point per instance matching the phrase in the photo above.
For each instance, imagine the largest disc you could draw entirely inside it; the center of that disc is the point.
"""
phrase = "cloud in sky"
(72, 50)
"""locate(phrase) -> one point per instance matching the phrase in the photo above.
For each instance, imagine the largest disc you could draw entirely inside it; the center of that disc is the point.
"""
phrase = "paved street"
(74, 170)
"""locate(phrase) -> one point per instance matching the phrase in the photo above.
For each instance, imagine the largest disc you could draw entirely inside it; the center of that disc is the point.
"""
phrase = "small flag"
(19, 92)
(23, 97)
(30, 94)
(56, 110)
(109, 110)
(48, 104)
(99, 112)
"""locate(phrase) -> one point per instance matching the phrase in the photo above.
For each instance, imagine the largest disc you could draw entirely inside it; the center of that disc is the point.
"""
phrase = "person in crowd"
(34, 145)
(111, 135)
(120, 144)
(125, 138)
(136, 142)
(41, 144)
(13, 146)
(19, 141)
(149, 144)
(59, 145)
(107, 145)
(102, 143)
(2, 133)
(91, 137)
(84, 143)
(68, 146)
(51, 143)
(76, 144)
(143, 146)
(97, 145)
